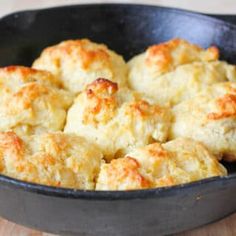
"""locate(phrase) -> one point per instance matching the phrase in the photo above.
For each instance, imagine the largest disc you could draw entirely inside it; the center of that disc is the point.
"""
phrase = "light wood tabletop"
(225, 227)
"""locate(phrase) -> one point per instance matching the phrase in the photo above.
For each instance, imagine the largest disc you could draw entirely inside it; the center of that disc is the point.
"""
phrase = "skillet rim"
(114, 195)
(111, 195)
(204, 16)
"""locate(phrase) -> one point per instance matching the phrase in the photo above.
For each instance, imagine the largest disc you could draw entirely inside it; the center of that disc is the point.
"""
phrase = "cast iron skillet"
(128, 29)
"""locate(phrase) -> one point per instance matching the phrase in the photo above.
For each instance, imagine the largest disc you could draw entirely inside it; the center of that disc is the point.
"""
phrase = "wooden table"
(226, 227)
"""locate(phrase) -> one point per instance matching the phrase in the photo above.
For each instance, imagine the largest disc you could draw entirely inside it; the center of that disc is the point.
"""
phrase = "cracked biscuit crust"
(210, 118)
(54, 159)
(116, 119)
(31, 101)
(77, 63)
(177, 70)
(158, 165)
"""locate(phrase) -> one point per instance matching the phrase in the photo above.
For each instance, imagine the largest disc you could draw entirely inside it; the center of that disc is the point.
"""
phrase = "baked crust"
(210, 118)
(31, 101)
(116, 119)
(127, 128)
(158, 165)
(176, 70)
(77, 63)
(55, 159)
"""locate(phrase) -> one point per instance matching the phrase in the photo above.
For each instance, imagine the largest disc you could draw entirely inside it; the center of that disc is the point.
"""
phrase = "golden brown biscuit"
(166, 56)
(79, 62)
(210, 118)
(122, 174)
(55, 159)
(13, 77)
(158, 165)
(31, 101)
(116, 119)
(176, 70)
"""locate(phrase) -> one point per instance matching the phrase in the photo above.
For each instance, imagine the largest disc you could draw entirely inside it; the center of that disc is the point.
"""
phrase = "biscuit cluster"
(83, 118)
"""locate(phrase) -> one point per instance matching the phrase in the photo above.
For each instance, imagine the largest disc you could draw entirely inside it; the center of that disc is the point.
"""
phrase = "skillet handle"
(229, 18)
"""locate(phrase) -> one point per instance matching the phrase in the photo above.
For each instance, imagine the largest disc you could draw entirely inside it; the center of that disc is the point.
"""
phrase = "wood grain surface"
(226, 227)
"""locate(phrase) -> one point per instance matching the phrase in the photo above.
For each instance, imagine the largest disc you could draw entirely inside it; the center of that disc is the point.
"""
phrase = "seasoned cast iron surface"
(128, 29)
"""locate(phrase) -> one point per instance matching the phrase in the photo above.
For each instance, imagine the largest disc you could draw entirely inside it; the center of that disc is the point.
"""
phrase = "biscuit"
(79, 62)
(177, 70)
(210, 118)
(116, 119)
(31, 101)
(158, 165)
(54, 159)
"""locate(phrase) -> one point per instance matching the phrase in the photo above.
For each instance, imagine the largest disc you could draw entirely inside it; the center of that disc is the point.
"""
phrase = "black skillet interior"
(228, 18)
(128, 29)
